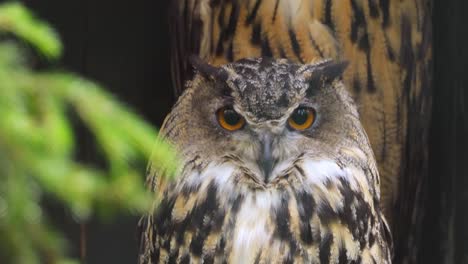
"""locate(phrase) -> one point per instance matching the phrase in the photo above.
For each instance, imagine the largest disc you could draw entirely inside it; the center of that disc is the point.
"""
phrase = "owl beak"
(266, 162)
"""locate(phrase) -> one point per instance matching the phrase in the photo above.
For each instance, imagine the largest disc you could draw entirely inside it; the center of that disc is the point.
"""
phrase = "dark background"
(124, 45)
(445, 224)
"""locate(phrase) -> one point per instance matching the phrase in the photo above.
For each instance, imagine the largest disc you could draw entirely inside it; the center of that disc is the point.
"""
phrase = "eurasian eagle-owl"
(276, 168)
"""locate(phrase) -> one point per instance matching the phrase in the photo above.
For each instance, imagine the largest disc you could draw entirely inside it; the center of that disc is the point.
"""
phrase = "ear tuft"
(324, 73)
(207, 70)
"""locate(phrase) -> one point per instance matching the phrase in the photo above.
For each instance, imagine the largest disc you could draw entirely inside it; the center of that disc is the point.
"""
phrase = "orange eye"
(230, 119)
(302, 118)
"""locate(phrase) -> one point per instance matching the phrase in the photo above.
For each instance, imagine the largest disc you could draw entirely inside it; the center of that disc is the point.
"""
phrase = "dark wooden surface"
(124, 45)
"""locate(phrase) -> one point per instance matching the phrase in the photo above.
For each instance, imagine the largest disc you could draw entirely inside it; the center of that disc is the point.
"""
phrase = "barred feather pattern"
(327, 216)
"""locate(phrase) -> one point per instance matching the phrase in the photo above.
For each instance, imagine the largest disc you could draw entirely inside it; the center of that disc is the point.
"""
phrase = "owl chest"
(250, 227)
(213, 217)
(253, 231)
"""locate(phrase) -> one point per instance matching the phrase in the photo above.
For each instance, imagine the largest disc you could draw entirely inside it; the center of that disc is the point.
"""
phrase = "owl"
(388, 46)
(275, 168)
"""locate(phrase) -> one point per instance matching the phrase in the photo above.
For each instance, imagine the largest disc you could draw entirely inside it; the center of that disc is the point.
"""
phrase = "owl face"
(263, 114)
(275, 165)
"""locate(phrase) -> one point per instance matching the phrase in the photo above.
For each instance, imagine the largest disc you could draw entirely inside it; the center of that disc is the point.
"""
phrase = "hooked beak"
(265, 161)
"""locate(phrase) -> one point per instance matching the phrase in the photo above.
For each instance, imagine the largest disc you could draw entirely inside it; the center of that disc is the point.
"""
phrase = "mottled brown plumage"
(318, 202)
(386, 42)
(388, 46)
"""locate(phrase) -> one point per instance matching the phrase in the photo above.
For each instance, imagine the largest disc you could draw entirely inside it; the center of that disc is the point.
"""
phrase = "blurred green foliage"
(37, 145)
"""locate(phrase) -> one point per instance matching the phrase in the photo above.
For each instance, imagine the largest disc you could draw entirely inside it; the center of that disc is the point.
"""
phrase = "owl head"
(262, 115)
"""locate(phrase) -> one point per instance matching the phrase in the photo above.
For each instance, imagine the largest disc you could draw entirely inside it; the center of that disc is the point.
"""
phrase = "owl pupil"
(300, 116)
(231, 117)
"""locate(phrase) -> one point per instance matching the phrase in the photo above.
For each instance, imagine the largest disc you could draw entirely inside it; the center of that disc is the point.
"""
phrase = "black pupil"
(300, 116)
(231, 117)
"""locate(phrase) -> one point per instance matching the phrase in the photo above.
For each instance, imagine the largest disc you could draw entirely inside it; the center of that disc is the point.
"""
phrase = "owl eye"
(302, 118)
(230, 119)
